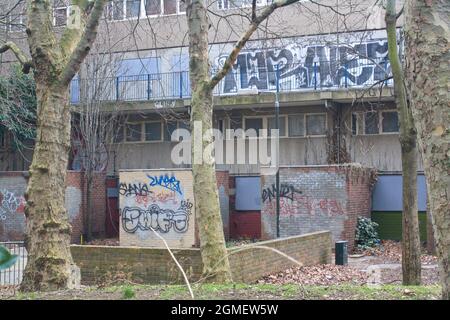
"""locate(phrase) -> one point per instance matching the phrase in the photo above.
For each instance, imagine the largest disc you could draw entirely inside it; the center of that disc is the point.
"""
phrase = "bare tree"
(93, 128)
(427, 31)
(55, 62)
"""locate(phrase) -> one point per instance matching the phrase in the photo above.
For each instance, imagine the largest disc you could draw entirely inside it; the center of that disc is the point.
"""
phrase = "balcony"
(358, 73)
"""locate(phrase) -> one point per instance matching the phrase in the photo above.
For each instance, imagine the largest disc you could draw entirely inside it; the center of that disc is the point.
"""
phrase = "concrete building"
(336, 96)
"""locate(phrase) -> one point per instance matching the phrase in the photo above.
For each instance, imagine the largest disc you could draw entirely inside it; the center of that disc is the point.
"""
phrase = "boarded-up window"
(248, 193)
(371, 123)
(134, 132)
(153, 131)
(271, 124)
(315, 124)
(296, 125)
(389, 121)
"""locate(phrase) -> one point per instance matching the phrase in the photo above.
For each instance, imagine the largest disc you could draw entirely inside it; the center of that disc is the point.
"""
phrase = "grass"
(245, 291)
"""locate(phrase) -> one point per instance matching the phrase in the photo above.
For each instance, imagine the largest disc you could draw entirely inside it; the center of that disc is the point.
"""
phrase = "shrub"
(128, 293)
(366, 234)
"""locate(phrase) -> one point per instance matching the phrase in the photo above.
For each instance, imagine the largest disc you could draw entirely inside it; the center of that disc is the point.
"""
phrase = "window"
(316, 124)
(234, 4)
(60, 16)
(114, 10)
(118, 136)
(375, 122)
(153, 7)
(389, 122)
(134, 132)
(371, 122)
(296, 125)
(271, 124)
(254, 123)
(153, 131)
(170, 6)
(171, 126)
(354, 123)
(133, 8)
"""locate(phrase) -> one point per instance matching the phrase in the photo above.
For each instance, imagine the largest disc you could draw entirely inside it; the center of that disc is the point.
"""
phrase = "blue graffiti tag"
(165, 181)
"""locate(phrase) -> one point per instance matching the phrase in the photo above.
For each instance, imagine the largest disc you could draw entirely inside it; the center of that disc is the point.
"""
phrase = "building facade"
(331, 69)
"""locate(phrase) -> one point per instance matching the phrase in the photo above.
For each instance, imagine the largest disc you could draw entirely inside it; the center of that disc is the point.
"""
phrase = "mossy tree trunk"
(411, 265)
(55, 61)
(427, 28)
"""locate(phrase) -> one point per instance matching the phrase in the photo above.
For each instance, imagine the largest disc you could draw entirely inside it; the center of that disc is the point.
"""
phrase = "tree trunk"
(207, 209)
(427, 30)
(411, 265)
(50, 265)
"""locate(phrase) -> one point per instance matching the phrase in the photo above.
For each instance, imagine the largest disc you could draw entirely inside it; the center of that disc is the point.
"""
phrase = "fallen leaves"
(326, 274)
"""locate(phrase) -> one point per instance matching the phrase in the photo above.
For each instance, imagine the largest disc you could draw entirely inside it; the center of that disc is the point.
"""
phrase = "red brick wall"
(98, 199)
(359, 200)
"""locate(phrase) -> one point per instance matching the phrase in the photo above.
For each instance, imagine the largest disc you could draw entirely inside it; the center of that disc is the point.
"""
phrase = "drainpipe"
(277, 124)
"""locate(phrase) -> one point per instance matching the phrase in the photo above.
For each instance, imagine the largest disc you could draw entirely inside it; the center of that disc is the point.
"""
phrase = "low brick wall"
(155, 266)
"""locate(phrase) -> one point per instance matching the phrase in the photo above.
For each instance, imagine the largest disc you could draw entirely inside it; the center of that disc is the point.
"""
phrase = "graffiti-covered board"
(154, 204)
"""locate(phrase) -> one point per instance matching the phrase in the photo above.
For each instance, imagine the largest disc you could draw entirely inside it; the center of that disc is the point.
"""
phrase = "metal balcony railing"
(315, 75)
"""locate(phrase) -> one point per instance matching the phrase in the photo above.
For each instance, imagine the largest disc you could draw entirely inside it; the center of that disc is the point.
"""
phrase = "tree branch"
(24, 61)
(72, 33)
(256, 21)
(84, 45)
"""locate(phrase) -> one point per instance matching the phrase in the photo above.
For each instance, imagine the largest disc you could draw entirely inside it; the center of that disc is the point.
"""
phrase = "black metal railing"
(311, 75)
(13, 275)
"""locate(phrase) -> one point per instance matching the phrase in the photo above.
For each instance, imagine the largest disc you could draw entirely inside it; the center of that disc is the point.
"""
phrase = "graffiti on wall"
(156, 218)
(10, 204)
(156, 202)
(286, 191)
(294, 202)
(302, 66)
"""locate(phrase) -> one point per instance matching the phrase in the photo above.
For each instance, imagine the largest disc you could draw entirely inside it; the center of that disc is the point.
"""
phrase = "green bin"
(341, 253)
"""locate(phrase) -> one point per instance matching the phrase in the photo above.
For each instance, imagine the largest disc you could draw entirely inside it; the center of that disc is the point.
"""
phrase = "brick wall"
(76, 203)
(155, 266)
(316, 198)
(12, 202)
